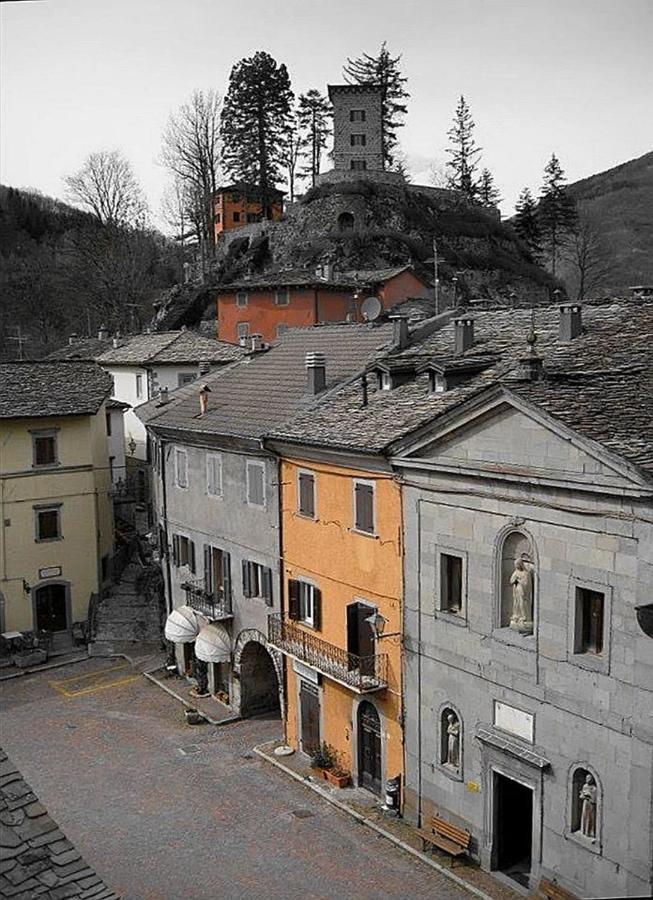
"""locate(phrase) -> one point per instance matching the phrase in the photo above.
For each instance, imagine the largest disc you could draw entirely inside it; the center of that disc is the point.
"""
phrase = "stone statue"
(522, 596)
(453, 741)
(588, 807)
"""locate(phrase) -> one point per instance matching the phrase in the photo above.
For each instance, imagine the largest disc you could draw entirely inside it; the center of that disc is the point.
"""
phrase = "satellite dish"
(371, 308)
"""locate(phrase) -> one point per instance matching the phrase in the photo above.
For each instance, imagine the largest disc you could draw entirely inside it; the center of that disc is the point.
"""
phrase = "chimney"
(204, 367)
(205, 390)
(116, 343)
(72, 339)
(103, 333)
(256, 343)
(571, 321)
(530, 367)
(163, 395)
(400, 336)
(464, 334)
(316, 370)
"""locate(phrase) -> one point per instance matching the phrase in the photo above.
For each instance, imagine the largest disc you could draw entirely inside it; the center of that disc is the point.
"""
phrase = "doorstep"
(215, 712)
(365, 807)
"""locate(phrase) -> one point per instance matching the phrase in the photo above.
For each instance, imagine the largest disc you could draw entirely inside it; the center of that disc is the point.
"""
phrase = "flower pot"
(30, 658)
(339, 779)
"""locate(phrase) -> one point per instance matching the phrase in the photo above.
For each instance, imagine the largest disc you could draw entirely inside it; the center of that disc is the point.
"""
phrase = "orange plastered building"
(241, 204)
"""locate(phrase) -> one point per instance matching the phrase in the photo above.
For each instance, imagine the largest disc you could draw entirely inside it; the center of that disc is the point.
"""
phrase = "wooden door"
(310, 717)
(369, 747)
(360, 639)
(51, 613)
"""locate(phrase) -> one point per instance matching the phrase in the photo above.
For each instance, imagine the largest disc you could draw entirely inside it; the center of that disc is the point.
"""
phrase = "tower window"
(358, 165)
(358, 140)
(356, 115)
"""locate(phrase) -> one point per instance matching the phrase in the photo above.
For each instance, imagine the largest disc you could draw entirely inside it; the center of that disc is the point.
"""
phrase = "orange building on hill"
(269, 304)
(241, 204)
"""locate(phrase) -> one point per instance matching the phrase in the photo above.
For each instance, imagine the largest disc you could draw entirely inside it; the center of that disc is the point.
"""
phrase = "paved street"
(103, 750)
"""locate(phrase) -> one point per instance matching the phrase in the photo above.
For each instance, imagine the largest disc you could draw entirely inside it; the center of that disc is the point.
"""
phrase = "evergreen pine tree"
(464, 153)
(313, 119)
(556, 212)
(488, 193)
(526, 222)
(384, 70)
(256, 119)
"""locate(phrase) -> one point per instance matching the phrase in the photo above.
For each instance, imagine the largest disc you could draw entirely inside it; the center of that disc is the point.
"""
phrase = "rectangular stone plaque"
(514, 720)
(306, 672)
(51, 572)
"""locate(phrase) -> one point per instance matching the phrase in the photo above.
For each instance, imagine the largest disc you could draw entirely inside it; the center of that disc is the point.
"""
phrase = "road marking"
(66, 687)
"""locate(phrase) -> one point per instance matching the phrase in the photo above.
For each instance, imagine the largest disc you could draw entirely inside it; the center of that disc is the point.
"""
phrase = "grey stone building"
(527, 481)
(217, 501)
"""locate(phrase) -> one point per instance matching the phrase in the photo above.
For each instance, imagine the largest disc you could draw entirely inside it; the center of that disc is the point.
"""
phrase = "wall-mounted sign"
(473, 786)
(51, 572)
(306, 672)
(514, 720)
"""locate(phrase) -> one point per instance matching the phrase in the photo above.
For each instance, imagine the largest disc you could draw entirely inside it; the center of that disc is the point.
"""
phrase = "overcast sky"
(570, 76)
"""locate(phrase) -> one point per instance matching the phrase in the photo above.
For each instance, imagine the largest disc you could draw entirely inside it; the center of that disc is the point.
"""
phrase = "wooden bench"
(446, 836)
(553, 891)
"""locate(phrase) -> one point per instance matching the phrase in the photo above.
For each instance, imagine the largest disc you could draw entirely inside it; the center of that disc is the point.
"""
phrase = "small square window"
(44, 450)
(364, 506)
(185, 378)
(438, 383)
(257, 581)
(356, 115)
(236, 217)
(590, 618)
(357, 140)
(48, 524)
(214, 475)
(304, 603)
(241, 299)
(181, 468)
(306, 494)
(358, 165)
(139, 386)
(281, 297)
(184, 551)
(451, 583)
(242, 329)
(256, 483)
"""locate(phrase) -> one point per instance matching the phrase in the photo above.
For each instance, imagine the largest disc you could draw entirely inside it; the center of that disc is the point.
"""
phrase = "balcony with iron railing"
(362, 674)
(213, 605)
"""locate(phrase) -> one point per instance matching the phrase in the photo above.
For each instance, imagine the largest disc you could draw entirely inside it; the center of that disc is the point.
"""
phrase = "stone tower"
(357, 127)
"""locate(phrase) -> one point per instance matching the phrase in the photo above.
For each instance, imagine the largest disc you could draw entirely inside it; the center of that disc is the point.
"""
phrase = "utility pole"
(435, 277)
(20, 340)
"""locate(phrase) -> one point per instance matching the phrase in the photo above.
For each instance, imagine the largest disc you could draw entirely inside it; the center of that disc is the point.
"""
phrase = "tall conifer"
(314, 121)
(556, 212)
(463, 152)
(526, 222)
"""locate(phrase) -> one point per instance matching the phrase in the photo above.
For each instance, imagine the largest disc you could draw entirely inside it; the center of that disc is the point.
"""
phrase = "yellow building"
(56, 522)
(341, 620)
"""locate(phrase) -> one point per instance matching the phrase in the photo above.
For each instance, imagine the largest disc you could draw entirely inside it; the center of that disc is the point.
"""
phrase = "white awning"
(213, 644)
(182, 625)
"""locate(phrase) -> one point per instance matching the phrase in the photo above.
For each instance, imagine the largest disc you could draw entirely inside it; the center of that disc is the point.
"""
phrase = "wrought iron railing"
(212, 604)
(361, 673)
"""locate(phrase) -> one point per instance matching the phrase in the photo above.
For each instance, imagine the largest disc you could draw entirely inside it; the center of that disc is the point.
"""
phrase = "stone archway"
(257, 685)
(346, 221)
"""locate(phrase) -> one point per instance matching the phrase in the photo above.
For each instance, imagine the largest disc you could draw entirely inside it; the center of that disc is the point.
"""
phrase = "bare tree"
(191, 151)
(107, 187)
(586, 256)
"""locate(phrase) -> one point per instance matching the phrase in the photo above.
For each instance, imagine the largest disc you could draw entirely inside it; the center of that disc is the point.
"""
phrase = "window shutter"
(317, 608)
(352, 629)
(267, 586)
(293, 599)
(226, 575)
(247, 580)
(191, 556)
(208, 570)
(364, 507)
(175, 549)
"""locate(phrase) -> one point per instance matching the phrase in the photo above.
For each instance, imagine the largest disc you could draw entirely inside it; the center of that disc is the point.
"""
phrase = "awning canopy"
(182, 625)
(213, 644)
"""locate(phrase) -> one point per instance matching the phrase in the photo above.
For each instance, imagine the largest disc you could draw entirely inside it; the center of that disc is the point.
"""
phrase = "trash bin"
(392, 793)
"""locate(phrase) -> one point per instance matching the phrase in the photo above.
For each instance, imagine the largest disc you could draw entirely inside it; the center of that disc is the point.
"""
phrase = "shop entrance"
(513, 828)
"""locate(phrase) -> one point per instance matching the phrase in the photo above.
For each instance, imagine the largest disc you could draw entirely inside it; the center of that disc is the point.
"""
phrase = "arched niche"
(451, 739)
(517, 581)
(346, 221)
(585, 806)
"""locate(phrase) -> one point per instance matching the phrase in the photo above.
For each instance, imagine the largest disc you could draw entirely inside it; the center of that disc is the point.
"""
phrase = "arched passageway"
(259, 686)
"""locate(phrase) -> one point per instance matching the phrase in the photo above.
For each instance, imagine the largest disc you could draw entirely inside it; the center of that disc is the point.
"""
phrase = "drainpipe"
(419, 665)
(317, 306)
(164, 497)
(284, 685)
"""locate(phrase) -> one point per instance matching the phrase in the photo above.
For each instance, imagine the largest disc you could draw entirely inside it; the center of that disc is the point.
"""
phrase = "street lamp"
(377, 623)
(132, 446)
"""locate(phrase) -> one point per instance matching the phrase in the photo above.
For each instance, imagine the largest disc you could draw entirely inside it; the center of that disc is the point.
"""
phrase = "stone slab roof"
(170, 348)
(376, 276)
(599, 384)
(52, 388)
(36, 858)
(257, 394)
(305, 278)
(85, 348)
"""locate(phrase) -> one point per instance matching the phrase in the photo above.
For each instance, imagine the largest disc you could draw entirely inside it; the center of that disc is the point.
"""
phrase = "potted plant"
(322, 758)
(337, 777)
(325, 759)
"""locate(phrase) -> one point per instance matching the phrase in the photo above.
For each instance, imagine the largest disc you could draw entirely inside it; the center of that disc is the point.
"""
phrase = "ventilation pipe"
(316, 371)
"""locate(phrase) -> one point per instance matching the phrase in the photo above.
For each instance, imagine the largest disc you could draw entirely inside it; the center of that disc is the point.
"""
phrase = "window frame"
(358, 165)
(39, 510)
(242, 299)
(239, 330)
(211, 458)
(259, 464)
(138, 385)
(357, 115)
(589, 660)
(304, 515)
(307, 587)
(191, 561)
(369, 483)
(48, 434)
(181, 451)
(260, 575)
(280, 293)
(184, 378)
(441, 610)
(358, 139)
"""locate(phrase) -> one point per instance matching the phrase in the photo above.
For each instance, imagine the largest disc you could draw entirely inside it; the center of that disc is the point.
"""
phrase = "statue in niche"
(453, 741)
(521, 581)
(587, 795)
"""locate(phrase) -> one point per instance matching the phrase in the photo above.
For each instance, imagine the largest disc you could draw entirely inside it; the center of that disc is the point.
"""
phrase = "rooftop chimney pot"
(103, 333)
(255, 342)
(400, 324)
(464, 333)
(205, 390)
(316, 371)
(571, 321)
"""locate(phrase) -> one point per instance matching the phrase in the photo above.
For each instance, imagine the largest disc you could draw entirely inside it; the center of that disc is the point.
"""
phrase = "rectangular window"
(255, 483)
(139, 386)
(44, 449)
(185, 378)
(306, 494)
(356, 115)
(242, 329)
(358, 165)
(181, 468)
(451, 583)
(257, 581)
(218, 218)
(214, 474)
(357, 140)
(217, 573)
(281, 297)
(281, 329)
(304, 602)
(109, 424)
(184, 551)
(590, 607)
(364, 506)
(48, 524)
(236, 217)
(241, 299)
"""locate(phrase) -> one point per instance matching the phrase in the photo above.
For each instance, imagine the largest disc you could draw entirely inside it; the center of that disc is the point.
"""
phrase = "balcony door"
(309, 701)
(360, 638)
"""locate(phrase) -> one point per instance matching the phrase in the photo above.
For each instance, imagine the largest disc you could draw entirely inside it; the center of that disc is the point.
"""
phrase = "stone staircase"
(126, 619)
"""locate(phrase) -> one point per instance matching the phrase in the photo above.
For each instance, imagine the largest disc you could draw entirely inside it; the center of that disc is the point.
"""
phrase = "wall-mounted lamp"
(377, 623)
(132, 446)
(26, 587)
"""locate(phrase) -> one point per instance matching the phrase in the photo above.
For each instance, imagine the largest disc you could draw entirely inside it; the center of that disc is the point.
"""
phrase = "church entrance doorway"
(513, 828)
